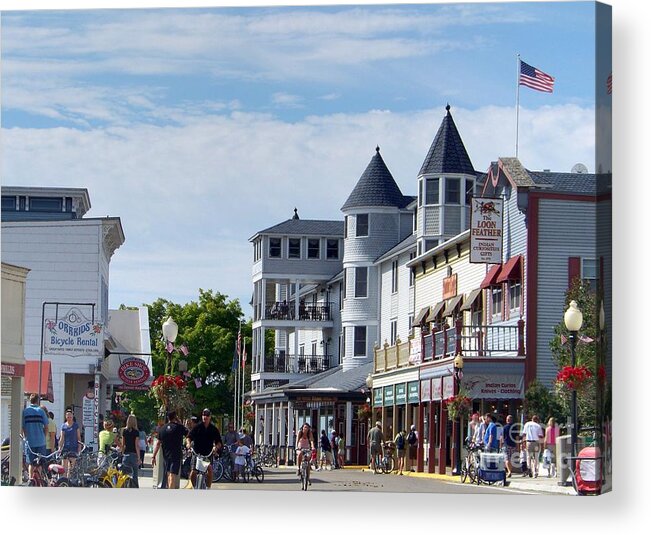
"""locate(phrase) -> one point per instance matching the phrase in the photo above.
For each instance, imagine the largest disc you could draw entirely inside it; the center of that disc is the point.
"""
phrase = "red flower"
(573, 376)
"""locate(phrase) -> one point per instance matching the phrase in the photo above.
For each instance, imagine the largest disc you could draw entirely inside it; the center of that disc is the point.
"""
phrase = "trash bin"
(563, 451)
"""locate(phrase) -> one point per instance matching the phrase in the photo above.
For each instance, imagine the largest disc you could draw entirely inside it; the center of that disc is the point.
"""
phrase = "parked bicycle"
(386, 463)
(252, 469)
(267, 456)
(222, 466)
(470, 463)
(46, 472)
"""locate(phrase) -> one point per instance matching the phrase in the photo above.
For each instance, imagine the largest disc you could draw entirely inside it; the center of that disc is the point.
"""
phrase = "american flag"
(169, 346)
(239, 342)
(535, 78)
(609, 84)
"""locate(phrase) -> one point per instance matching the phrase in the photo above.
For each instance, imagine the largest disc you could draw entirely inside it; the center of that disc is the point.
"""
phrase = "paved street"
(356, 479)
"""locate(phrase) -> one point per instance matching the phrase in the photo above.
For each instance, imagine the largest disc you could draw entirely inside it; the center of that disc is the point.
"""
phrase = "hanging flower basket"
(171, 394)
(573, 377)
(364, 412)
(458, 406)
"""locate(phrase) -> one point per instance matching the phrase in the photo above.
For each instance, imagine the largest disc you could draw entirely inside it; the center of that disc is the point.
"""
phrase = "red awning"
(31, 379)
(511, 270)
(491, 276)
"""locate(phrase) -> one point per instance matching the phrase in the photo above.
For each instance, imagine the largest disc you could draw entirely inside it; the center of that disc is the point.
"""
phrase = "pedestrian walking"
(170, 438)
(69, 441)
(412, 450)
(549, 455)
(510, 443)
(491, 443)
(326, 451)
(35, 423)
(400, 441)
(334, 445)
(130, 447)
(375, 439)
(341, 450)
(533, 434)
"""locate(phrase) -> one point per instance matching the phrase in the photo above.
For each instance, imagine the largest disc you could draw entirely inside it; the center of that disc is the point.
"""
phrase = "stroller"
(548, 462)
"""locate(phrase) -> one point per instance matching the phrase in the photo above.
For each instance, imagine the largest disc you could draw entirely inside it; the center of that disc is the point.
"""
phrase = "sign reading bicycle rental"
(486, 231)
(73, 334)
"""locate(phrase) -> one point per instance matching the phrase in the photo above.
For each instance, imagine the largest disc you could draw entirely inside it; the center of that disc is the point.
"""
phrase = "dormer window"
(362, 225)
(332, 252)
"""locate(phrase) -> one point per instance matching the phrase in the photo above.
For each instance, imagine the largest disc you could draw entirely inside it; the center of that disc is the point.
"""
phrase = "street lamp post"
(369, 385)
(170, 332)
(573, 320)
(458, 375)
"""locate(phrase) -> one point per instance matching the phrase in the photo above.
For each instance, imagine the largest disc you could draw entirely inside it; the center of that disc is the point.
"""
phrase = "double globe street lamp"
(573, 319)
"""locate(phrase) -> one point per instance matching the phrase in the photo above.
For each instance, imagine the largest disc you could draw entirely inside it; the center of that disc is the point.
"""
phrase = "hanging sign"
(88, 409)
(486, 230)
(494, 386)
(134, 374)
(74, 335)
(448, 386)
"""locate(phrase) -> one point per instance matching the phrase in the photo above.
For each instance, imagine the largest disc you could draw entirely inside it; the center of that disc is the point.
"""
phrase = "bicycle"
(386, 463)
(201, 464)
(222, 466)
(305, 468)
(45, 472)
(471, 462)
(252, 469)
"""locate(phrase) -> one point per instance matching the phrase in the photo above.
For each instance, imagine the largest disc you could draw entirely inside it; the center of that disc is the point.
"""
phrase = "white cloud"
(285, 100)
(211, 182)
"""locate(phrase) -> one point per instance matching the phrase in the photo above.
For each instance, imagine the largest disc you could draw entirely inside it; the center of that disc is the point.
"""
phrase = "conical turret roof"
(376, 187)
(447, 153)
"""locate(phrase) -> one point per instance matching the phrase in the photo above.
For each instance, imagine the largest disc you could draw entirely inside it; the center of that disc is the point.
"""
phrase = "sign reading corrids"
(73, 334)
(486, 231)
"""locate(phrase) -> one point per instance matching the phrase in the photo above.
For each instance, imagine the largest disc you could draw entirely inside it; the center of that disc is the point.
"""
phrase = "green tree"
(209, 328)
(586, 351)
(543, 402)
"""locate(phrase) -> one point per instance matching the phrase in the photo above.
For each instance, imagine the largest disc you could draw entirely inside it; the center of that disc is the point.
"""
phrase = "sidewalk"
(541, 484)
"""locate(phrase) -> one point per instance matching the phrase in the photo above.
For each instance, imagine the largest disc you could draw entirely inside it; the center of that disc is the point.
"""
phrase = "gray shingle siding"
(432, 221)
(383, 234)
(452, 220)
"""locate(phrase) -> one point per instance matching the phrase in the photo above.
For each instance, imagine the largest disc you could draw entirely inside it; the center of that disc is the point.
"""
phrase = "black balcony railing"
(282, 363)
(306, 312)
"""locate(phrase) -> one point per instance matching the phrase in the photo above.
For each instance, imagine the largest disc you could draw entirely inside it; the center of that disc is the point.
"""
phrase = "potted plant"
(458, 406)
(364, 412)
(171, 393)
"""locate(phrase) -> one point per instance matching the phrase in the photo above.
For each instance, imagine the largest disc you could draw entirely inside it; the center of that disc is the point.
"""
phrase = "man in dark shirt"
(170, 436)
(510, 443)
(205, 440)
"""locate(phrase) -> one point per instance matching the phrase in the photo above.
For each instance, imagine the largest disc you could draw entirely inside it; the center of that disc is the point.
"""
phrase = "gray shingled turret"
(376, 187)
(447, 153)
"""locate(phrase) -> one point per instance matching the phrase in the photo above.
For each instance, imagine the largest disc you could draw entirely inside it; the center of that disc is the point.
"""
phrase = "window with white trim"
(332, 249)
(515, 294)
(394, 276)
(361, 282)
(313, 248)
(359, 347)
(432, 191)
(470, 190)
(496, 301)
(361, 225)
(452, 190)
(275, 247)
(294, 248)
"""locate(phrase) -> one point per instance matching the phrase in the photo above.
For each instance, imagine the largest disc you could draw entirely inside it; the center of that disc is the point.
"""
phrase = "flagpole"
(517, 106)
(243, 378)
(235, 384)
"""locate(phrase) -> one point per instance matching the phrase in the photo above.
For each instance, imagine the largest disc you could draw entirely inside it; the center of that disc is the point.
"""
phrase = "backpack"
(412, 438)
(400, 441)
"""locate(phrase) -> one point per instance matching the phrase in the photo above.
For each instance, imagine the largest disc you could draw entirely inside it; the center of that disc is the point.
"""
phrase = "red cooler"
(588, 471)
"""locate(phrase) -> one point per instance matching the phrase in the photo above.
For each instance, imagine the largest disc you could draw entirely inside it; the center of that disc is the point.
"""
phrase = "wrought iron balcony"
(306, 312)
(282, 363)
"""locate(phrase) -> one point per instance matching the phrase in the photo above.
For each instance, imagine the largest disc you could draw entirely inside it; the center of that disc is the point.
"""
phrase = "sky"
(199, 127)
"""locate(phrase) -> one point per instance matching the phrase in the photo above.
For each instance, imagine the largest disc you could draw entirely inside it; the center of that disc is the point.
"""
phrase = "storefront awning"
(511, 270)
(421, 315)
(435, 311)
(31, 379)
(472, 297)
(491, 277)
(452, 305)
